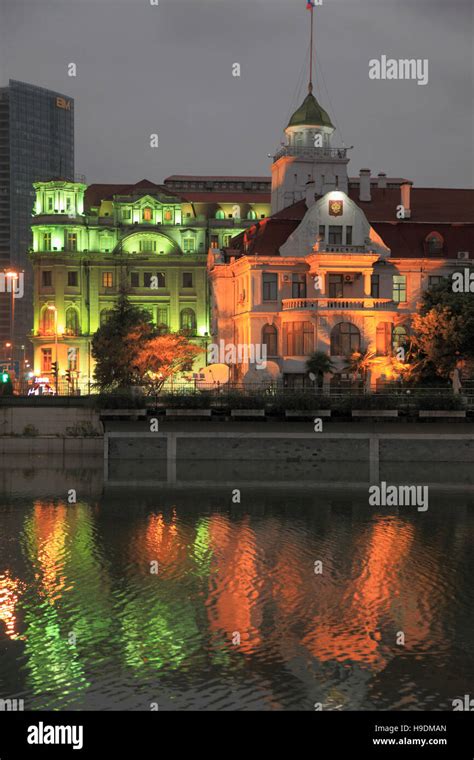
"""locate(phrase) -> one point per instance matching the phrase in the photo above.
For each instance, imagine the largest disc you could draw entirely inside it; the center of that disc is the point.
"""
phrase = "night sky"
(143, 69)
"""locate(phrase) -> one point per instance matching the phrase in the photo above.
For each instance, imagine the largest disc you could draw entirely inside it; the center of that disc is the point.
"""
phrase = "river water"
(182, 598)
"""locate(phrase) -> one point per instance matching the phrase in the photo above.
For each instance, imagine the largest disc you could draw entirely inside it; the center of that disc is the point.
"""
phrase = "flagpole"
(310, 86)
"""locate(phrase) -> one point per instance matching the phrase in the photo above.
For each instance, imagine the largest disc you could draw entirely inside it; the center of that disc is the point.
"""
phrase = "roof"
(98, 192)
(310, 113)
(450, 211)
(212, 178)
(228, 196)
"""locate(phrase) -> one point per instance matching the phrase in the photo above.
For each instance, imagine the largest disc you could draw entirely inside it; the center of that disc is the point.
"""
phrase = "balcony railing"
(310, 152)
(325, 304)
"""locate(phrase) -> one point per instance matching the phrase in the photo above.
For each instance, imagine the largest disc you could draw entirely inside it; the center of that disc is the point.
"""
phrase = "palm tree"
(359, 363)
(318, 365)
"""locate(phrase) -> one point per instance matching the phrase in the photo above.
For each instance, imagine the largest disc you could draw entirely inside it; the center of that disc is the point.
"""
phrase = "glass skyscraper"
(36, 143)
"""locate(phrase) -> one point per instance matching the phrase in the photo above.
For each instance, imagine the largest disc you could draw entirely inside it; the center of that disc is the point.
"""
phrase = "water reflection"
(188, 600)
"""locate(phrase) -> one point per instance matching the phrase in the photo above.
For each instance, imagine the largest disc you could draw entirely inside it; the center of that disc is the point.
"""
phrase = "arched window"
(105, 316)
(434, 242)
(251, 214)
(48, 321)
(72, 321)
(188, 320)
(345, 339)
(270, 339)
(399, 337)
(220, 214)
(147, 214)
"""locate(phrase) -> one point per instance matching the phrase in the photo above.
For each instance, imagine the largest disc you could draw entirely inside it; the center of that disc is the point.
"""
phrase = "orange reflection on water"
(165, 542)
(50, 531)
(233, 604)
(348, 626)
(9, 595)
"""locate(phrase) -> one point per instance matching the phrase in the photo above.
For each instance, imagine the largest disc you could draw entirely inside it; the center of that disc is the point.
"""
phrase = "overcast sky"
(167, 69)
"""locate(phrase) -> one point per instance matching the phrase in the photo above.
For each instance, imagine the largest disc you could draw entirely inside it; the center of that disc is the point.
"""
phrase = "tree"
(161, 357)
(360, 362)
(114, 353)
(318, 365)
(443, 333)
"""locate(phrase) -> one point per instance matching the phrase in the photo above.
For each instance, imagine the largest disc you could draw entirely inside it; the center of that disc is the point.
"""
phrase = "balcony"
(311, 153)
(338, 304)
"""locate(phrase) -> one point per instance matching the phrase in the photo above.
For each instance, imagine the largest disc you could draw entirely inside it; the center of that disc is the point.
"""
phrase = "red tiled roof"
(212, 178)
(451, 212)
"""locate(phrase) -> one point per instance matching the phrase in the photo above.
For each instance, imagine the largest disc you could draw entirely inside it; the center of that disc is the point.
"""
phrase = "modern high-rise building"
(36, 143)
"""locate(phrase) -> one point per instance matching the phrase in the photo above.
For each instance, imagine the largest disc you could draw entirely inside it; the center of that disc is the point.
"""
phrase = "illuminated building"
(342, 262)
(90, 241)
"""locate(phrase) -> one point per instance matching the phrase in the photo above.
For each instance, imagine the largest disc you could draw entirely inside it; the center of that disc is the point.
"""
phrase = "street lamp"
(52, 307)
(12, 276)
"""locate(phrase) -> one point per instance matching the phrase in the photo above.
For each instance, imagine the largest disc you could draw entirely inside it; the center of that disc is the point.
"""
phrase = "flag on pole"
(310, 4)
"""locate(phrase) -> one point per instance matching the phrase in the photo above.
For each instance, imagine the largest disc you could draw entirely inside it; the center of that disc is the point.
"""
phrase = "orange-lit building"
(342, 262)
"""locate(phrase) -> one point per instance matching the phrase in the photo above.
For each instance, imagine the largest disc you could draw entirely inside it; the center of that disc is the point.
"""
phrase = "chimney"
(382, 183)
(405, 189)
(364, 185)
(310, 194)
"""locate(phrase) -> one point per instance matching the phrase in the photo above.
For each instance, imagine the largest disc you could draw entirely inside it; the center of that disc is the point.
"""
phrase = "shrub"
(30, 431)
(82, 430)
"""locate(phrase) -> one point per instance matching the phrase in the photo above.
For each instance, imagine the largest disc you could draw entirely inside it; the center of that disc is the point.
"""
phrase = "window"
(400, 337)
(188, 320)
(270, 286)
(187, 279)
(72, 279)
(126, 213)
(168, 215)
(105, 316)
(298, 286)
(147, 214)
(48, 321)
(335, 286)
(189, 244)
(298, 338)
(383, 338)
(68, 203)
(214, 241)
(162, 319)
(335, 234)
(220, 214)
(434, 242)
(46, 278)
(135, 279)
(147, 245)
(71, 241)
(147, 279)
(226, 240)
(375, 285)
(107, 279)
(348, 235)
(72, 356)
(322, 231)
(46, 359)
(72, 321)
(50, 203)
(399, 288)
(251, 214)
(435, 280)
(46, 241)
(345, 339)
(270, 339)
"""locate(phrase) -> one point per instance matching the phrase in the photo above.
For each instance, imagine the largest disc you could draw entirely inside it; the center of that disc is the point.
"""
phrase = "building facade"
(341, 264)
(36, 142)
(89, 242)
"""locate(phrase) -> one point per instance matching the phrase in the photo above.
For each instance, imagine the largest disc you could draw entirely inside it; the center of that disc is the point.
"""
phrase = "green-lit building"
(89, 241)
